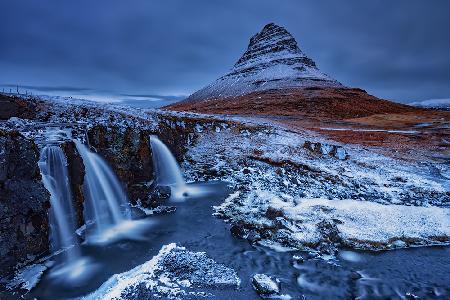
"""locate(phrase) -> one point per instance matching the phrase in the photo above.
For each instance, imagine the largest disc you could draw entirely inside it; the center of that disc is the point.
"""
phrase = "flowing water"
(167, 170)
(106, 206)
(131, 239)
(53, 167)
(361, 275)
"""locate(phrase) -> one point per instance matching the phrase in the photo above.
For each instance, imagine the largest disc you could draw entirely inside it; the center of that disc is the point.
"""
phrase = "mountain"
(273, 60)
(433, 103)
(275, 77)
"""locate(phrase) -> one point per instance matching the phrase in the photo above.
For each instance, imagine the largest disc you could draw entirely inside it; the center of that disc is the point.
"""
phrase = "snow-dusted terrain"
(273, 60)
(288, 185)
(290, 190)
(433, 103)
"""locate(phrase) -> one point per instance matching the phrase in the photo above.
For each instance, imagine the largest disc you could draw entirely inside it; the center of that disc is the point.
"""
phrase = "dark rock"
(329, 231)
(24, 202)
(253, 236)
(76, 172)
(298, 259)
(158, 195)
(16, 107)
(264, 285)
(128, 152)
(273, 213)
(355, 275)
(238, 229)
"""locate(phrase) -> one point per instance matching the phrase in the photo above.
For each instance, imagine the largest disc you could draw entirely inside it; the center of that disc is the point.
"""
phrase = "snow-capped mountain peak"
(272, 60)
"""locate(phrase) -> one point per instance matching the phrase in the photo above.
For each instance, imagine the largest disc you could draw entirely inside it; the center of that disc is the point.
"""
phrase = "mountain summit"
(275, 78)
(272, 60)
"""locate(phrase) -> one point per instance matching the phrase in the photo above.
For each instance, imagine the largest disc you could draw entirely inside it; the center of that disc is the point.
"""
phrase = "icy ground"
(296, 195)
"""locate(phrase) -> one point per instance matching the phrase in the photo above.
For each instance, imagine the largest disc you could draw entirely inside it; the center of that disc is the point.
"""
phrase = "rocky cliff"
(24, 202)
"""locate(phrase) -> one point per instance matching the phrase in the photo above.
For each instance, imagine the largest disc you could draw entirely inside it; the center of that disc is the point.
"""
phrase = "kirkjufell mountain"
(272, 60)
(275, 77)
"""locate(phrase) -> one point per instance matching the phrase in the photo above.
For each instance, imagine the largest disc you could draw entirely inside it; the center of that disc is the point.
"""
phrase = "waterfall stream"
(167, 170)
(106, 203)
(53, 167)
(107, 207)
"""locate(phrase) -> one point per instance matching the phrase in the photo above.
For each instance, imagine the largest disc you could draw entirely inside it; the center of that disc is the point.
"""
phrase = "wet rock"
(163, 210)
(264, 285)
(411, 296)
(355, 275)
(24, 202)
(128, 151)
(158, 196)
(298, 259)
(238, 229)
(253, 236)
(339, 153)
(76, 172)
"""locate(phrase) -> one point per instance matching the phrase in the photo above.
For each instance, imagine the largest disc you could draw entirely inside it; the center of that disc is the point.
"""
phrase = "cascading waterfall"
(53, 167)
(106, 202)
(166, 167)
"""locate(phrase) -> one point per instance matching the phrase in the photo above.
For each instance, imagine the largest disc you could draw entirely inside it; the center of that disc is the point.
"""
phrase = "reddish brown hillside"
(314, 103)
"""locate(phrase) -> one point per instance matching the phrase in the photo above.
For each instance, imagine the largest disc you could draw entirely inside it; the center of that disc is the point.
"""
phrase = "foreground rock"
(175, 273)
(264, 285)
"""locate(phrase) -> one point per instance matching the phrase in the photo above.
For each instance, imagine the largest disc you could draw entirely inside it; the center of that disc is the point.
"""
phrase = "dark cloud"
(393, 49)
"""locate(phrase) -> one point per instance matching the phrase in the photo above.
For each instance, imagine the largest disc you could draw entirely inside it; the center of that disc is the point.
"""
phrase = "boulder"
(323, 149)
(264, 285)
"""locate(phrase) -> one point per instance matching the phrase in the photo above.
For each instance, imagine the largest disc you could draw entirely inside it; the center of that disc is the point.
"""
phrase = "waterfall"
(166, 167)
(106, 204)
(53, 167)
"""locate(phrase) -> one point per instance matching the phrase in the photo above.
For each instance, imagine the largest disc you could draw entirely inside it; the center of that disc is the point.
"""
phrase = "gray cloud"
(393, 49)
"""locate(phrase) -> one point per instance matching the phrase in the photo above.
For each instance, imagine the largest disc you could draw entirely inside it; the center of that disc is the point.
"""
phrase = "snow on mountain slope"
(433, 103)
(273, 60)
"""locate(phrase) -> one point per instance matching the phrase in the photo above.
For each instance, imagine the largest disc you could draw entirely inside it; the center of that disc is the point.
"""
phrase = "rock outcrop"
(16, 107)
(24, 202)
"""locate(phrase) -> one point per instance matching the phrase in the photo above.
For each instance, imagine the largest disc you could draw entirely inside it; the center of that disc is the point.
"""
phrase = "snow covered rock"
(174, 273)
(326, 150)
(264, 285)
(273, 60)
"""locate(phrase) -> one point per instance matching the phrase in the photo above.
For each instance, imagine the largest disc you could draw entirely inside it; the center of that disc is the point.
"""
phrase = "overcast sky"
(393, 49)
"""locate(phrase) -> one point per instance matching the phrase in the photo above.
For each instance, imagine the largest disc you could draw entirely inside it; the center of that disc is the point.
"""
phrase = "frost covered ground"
(300, 190)
(297, 188)
(292, 189)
